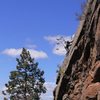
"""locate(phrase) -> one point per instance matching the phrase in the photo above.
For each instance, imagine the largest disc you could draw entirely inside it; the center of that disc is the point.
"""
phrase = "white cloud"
(49, 94)
(53, 39)
(58, 49)
(16, 52)
(37, 54)
(12, 52)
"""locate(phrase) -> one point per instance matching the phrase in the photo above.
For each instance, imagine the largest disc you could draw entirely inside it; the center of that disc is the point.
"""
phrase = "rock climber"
(68, 44)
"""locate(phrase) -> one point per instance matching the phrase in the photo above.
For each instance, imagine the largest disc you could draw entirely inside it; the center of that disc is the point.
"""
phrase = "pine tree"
(26, 82)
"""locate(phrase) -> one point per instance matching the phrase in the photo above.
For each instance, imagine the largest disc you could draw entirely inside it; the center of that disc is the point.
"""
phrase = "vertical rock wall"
(80, 79)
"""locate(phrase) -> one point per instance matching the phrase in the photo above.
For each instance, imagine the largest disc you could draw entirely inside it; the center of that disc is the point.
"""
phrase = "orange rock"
(92, 90)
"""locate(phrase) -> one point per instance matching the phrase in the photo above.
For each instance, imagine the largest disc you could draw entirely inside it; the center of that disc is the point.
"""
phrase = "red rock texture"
(80, 77)
(91, 91)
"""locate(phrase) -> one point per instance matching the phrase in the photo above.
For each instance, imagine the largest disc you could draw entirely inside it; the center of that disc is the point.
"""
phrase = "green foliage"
(27, 82)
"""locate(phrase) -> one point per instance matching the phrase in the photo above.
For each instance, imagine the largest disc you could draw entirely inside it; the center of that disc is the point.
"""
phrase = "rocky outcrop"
(80, 79)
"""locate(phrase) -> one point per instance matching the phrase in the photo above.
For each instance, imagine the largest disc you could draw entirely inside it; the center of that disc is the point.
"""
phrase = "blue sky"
(35, 25)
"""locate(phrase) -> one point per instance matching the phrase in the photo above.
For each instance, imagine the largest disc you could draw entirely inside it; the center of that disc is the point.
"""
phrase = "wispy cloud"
(12, 52)
(53, 39)
(49, 94)
(58, 49)
(31, 46)
(16, 52)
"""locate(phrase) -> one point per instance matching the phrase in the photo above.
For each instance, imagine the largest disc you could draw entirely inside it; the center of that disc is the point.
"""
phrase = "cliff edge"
(80, 79)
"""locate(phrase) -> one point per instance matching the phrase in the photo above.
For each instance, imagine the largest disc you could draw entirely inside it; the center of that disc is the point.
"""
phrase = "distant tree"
(26, 82)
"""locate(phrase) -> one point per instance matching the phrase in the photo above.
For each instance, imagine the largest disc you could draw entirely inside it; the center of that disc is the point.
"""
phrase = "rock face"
(80, 79)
